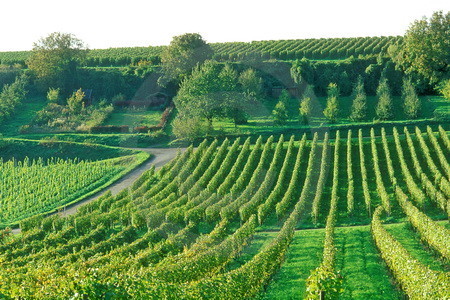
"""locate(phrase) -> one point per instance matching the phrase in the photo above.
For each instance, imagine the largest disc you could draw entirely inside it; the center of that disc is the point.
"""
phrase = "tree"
(232, 101)
(189, 127)
(444, 89)
(306, 104)
(359, 106)
(182, 55)
(302, 71)
(75, 102)
(279, 113)
(251, 84)
(55, 59)
(384, 106)
(53, 95)
(331, 111)
(426, 49)
(199, 93)
(411, 101)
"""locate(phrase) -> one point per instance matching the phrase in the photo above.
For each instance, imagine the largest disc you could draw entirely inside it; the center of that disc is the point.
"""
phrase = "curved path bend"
(161, 156)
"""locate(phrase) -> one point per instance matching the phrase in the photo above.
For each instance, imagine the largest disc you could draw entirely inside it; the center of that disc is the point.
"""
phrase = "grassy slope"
(23, 115)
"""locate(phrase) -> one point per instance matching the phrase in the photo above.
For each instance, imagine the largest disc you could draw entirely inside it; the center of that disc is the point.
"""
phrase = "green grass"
(23, 116)
(303, 256)
(365, 274)
(134, 118)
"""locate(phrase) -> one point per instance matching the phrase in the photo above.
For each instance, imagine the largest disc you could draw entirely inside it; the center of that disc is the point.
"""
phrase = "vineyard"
(39, 185)
(228, 220)
(324, 48)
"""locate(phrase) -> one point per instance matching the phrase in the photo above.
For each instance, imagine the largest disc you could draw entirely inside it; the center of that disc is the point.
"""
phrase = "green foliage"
(280, 113)
(75, 102)
(384, 106)
(425, 48)
(37, 190)
(189, 127)
(183, 54)
(411, 101)
(53, 95)
(302, 71)
(251, 83)
(55, 59)
(331, 111)
(11, 97)
(444, 88)
(417, 280)
(359, 106)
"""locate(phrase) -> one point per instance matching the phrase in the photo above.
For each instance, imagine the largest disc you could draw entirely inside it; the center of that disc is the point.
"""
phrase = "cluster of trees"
(11, 97)
(308, 106)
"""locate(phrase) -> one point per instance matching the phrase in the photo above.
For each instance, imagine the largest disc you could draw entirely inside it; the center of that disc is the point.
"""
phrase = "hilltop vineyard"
(228, 219)
(324, 48)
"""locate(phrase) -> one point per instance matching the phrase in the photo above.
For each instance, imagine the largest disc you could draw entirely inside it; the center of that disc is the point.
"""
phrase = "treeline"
(323, 48)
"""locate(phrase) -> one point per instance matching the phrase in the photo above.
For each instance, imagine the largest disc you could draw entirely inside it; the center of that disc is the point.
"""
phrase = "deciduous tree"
(55, 59)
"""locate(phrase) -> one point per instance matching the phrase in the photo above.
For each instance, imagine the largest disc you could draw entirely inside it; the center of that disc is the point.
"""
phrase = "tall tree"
(306, 104)
(182, 55)
(384, 106)
(280, 113)
(411, 101)
(331, 111)
(426, 49)
(198, 93)
(359, 106)
(55, 59)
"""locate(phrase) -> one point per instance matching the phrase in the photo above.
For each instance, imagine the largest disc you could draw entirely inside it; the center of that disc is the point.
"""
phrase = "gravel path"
(161, 156)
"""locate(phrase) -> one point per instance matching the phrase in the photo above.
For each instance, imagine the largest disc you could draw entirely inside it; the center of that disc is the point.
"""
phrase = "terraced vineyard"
(232, 220)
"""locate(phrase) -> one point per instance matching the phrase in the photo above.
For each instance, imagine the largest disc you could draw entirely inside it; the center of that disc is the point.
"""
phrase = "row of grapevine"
(417, 280)
(351, 186)
(432, 233)
(365, 185)
(430, 189)
(322, 178)
(381, 189)
(289, 197)
(324, 281)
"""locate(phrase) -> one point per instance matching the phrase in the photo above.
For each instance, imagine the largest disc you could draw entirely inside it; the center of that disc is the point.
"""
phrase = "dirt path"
(161, 156)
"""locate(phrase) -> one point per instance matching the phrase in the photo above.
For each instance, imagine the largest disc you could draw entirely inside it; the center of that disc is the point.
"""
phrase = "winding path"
(161, 156)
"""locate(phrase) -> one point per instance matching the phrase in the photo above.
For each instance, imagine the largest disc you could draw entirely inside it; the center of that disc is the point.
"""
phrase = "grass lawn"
(134, 117)
(22, 116)
(303, 256)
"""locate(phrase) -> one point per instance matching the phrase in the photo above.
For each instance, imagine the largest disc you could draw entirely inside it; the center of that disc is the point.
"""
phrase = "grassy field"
(134, 118)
